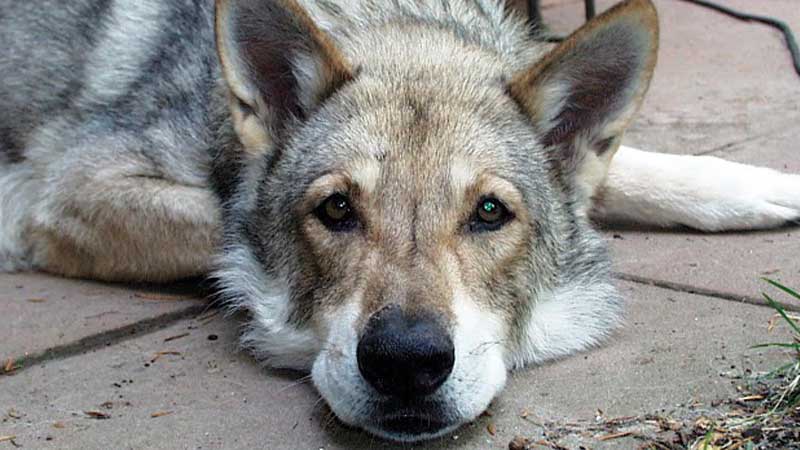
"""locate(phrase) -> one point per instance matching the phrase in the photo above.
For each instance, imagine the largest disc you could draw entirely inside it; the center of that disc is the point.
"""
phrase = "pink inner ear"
(267, 37)
(273, 78)
(594, 79)
(601, 76)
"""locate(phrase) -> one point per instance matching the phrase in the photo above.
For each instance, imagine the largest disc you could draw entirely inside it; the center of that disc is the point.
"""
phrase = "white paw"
(746, 197)
(702, 192)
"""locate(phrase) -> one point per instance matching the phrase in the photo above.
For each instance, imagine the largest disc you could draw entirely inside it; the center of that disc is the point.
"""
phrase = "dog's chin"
(410, 427)
(411, 421)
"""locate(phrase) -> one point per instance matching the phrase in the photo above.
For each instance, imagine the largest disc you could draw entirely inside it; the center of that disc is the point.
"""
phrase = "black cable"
(590, 9)
(791, 42)
(787, 32)
(534, 12)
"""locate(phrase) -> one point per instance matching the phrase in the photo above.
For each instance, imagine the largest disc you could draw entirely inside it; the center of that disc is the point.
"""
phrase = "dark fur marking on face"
(10, 149)
(420, 120)
(420, 110)
(605, 145)
(414, 219)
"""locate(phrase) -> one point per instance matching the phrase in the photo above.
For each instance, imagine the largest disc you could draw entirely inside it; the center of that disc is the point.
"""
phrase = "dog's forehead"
(425, 140)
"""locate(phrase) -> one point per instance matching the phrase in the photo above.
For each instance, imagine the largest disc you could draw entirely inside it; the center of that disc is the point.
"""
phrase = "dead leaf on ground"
(14, 414)
(174, 338)
(161, 297)
(10, 366)
(161, 414)
(613, 436)
(37, 300)
(7, 438)
(518, 443)
(59, 425)
(160, 354)
(99, 415)
(703, 423)
(492, 429)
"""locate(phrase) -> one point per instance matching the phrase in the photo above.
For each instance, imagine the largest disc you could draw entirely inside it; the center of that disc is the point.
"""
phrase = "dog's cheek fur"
(258, 262)
(271, 335)
(578, 311)
(335, 371)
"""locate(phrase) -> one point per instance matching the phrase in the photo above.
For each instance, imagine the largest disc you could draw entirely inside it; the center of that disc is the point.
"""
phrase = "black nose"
(405, 355)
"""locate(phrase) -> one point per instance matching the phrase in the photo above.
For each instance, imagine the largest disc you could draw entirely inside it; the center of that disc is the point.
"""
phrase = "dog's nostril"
(405, 356)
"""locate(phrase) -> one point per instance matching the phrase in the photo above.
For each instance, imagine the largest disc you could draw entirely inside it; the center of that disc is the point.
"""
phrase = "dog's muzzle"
(406, 358)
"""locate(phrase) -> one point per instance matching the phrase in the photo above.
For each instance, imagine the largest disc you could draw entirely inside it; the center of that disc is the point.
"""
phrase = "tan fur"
(166, 232)
(398, 258)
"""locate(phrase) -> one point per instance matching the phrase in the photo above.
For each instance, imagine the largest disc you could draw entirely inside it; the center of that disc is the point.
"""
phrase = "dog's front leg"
(702, 192)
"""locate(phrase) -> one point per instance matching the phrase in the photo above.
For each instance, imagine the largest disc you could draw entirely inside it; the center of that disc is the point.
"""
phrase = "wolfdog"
(399, 192)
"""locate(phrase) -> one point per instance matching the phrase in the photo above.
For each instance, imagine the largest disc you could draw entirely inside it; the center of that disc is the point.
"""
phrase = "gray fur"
(97, 92)
(104, 105)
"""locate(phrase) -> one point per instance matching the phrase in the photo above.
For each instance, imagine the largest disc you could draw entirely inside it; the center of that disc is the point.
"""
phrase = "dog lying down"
(398, 192)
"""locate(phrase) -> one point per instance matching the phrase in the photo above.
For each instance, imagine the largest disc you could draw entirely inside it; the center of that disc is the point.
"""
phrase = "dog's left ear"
(278, 65)
(582, 95)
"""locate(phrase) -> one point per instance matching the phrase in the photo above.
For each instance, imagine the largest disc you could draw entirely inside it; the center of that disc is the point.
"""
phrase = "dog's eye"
(490, 215)
(337, 214)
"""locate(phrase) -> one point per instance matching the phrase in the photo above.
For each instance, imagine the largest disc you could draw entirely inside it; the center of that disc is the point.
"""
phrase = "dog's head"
(405, 208)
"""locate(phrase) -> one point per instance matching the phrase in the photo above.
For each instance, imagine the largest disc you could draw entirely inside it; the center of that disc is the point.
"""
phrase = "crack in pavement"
(104, 339)
(689, 289)
(724, 149)
(147, 326)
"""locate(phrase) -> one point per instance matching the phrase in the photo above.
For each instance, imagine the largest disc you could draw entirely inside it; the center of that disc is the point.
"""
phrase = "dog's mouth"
(413, 424)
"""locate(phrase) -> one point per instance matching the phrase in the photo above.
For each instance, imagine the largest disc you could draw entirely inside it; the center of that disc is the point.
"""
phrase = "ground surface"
(121, 367)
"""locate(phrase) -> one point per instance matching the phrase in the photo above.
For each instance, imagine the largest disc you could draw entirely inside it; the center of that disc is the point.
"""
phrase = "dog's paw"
(702, 192)
(745, 197)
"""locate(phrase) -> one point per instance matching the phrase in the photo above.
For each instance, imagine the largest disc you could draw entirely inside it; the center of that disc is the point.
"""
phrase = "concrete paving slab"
(779, 151)
(205, 395)
(42, 312)
(722, 87)
(729, 263)
(718, 80)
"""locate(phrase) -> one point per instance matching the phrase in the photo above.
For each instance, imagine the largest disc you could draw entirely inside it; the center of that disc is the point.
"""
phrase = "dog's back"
(106, 121)
(110, 113)
(100, 66)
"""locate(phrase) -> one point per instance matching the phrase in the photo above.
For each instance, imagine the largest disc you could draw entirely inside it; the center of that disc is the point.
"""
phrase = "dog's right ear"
(278, 65)
(583, 94)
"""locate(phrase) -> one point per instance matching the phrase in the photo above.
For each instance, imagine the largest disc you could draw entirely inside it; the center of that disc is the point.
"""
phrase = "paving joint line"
(689, 289)
(105, 339)
(147, 326)
(724, 148)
